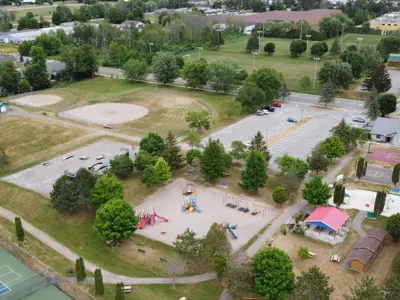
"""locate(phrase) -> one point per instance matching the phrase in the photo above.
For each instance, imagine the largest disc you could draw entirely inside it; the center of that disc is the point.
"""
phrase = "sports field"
(17, 281)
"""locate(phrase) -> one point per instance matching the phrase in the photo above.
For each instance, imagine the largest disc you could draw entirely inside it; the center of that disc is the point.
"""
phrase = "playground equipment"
(189, 189)
(190, 204)
(148, 218)
(225, 226)
(244, 205)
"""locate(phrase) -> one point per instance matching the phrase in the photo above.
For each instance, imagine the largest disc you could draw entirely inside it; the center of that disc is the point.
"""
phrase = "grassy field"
(380, 222)
(8, 48)
(25, 139)
(167, 106)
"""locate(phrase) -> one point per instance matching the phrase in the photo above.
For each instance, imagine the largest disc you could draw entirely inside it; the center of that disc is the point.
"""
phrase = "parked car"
(276, 105)
(84, 157)
(259, 113)
(91, 167)
(68, 157)
(269, 108)
(358, 120)
(266, 112)
(292, 120)
(100, 157)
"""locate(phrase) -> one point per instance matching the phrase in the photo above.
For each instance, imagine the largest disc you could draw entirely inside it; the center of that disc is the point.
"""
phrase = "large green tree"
(189, 245)
(287, 162)
(316, 192)
(199, 120)
(36, 71)
(372, 105)
(297, 47)
(379, 78)
(121, 166)
(196, 73)
(339, 73)
(219, 264)
(80, 62)
(259, 143)
(333, 147)
(106, 188)
(172, 152)
(239, 277)
(356, 61)
(252, 43)
(216, 241)
(255, 174)
(65, 195)
(165, 68)
(213, 161)
(280, 195)
(269, 81)
(349, 136)
(387, 104)
(250, 96)
(119, 291)
(393, 226)
(98, 283)
(239, 150)
(224, 75)
(115, 220)
(273, 274)
(396, 174)
(144, 159)
(318, 160)
(152, 143)
(335, 48)
(366, 289)
(9, 78)
(135, 69)
(85, 181)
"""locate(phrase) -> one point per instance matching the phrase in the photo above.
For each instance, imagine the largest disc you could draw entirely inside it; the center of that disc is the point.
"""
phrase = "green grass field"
(8, 48)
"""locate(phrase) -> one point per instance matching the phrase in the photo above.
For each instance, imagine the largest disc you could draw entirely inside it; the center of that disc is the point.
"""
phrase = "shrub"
(305, 82)
(302, 252)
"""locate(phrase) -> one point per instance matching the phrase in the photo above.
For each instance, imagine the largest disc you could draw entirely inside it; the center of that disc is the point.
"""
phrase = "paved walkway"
(357, 223)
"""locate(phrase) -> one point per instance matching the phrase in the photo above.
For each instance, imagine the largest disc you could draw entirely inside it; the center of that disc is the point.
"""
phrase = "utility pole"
(359, 39)
(308, 37)
(254, 57)
(199, 48)
(259, 40)
(315, 70)
(301, 28)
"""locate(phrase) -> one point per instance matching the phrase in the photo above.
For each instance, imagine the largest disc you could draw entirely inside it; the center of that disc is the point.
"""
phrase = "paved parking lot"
(297, 143)
(41, 178)
(377, 175)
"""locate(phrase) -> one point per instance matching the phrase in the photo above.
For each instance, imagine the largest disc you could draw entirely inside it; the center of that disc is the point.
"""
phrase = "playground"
(177, 206)
(17, 281)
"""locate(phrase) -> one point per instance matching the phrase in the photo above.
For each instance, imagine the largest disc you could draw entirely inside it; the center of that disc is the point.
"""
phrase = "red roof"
(330, 216)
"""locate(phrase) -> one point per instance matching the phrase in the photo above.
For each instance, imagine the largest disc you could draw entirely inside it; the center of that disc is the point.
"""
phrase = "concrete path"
(357, 223)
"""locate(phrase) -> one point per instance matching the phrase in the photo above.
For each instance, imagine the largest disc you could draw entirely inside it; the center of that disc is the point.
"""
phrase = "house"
(128, 23)
(4, 107)
(366, 251)
(387, 22)
(386, 131)
(394, 59)
(54, 68)
(329, 218)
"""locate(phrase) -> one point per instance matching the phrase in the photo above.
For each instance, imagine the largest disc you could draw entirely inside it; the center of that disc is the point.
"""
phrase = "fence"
(45, 275)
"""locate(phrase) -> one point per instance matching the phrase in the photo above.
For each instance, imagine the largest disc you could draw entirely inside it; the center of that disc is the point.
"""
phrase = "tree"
(172, 152)
(356, 61)
(250, 96)
(337, 72)
(396, 174)
(360, 168)
(80, 62)
(80, 272)
(387, 104)
(121, 166)
(269, 48)
(3, 159)
(379, 78)
(258, 143)
(144, 160)
(366, 290)
(152, 143)
(148, 177)
(318, 160)
(19, 229)
(280, 195)
(273, 273)
(312, 284)
(10, 78)
(115, 220)
(392, 288)
(239, 277)
(135, 69)
(269, 81)
(349, 136)
(232, 108)
(192, 154)
(316, 192)
(165, 68)
(196, 73)
(333, 147)
(339, 194)
(106, 188)
(65, 196)
(255, 174)
(297, 47)
(98, 283)
(188, 245)
(393, 226)
(287, 162)
(372, 105)
(303, 252)
(305, 82)
(213, 161)
(224, 75)
(317, 49)
(252, 43)
(216, 241)
(119, 291)
(194, 139)
(380, 201)
(199, 120)
(84, 182)
(284, 92)
(328, 93)
(36, 70)
(219, 264)
(239, 150)
(162, 170)
(371, 56)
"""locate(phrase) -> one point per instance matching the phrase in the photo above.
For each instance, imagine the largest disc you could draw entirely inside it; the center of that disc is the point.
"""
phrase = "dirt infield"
(37, 100)
(105, 113)
(385, 155)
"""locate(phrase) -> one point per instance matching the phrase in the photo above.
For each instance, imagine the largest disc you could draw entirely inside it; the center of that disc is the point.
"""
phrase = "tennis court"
(18, 281)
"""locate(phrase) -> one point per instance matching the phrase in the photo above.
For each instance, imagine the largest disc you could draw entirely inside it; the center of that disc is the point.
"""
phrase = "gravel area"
(37, 100)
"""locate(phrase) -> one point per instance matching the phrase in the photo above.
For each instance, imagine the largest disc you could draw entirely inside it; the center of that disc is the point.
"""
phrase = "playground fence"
(241, 202)
(45, 275)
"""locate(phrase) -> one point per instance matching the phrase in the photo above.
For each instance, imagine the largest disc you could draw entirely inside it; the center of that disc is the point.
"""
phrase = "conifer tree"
(335, 48)
(258, 143)
(284, 92)
(338, 196)
(98, 283)
(252, 43)
(19, 230)
(372, 105)
(255, 174)
(360, 167)
(119, 292)
(172, 152)
(396, 174)
(378, 78)
(328, 93)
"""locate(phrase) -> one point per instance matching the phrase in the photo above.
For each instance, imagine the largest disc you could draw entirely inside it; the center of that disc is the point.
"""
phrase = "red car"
(276, 105)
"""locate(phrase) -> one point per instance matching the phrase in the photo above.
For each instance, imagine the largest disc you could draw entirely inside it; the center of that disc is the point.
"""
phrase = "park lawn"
(25, 139)
(36, 248)
(368, 39)
(379, 222)
(8, 48)
(208, 290)
(76, 232)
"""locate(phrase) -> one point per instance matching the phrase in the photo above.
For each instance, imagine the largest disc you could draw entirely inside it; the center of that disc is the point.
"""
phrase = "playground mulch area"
(167, 202)
(17, 281)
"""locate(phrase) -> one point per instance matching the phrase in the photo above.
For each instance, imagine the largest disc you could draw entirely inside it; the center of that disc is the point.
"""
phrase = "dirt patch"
(105, 113)
(287, 131)
(37, 100)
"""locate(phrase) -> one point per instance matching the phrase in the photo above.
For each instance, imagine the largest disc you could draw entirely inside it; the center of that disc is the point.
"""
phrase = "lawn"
(168, 106)
(25, 139)
(8, 48)
(379, 222)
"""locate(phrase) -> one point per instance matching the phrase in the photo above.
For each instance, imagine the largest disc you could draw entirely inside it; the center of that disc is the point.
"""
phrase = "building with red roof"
(328, 218)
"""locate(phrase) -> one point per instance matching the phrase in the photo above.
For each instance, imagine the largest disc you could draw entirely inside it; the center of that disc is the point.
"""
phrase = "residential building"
(127, 23)
(388, 22)
(394, 59)
(386, 131)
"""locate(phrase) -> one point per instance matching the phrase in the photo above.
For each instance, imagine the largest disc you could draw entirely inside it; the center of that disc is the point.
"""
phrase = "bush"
(191, 154)
(305, 82)
(298, 230)
(302, 252)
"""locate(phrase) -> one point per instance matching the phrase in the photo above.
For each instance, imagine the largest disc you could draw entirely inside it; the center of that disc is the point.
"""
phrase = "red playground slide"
(162, 218)
(143, 222)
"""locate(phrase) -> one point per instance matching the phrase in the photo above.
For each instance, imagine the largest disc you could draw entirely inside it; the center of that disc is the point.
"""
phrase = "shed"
(360, 259)
(4, 107)
(327, 217)
(394, 59)
(385, 130)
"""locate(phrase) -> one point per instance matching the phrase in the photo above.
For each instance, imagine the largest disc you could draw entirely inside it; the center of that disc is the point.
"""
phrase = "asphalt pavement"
(377, 175)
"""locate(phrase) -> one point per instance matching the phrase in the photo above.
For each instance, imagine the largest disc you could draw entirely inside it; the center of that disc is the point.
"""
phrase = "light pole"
(151, 44)
(259, 40)
(301, 28)
(341, 39)
(315, 71)
(199, 48)
(254, 57)
(301, 115)
(308, 37)
(359, 39)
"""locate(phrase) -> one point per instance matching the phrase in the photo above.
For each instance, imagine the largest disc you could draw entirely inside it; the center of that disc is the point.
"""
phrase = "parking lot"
(297, 143)
(40, 178)
(377, 175)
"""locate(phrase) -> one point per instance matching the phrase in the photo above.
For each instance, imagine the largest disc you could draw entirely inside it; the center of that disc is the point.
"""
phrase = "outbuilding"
(394, 59)
(4, 107)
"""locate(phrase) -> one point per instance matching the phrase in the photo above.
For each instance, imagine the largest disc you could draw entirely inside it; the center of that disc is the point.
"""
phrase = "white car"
(100, 168)
(265, 112)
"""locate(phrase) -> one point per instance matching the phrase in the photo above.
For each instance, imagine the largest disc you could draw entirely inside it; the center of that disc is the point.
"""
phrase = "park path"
(357, 223)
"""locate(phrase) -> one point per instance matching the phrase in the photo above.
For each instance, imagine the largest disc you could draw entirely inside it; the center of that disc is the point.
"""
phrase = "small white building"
(386, 131)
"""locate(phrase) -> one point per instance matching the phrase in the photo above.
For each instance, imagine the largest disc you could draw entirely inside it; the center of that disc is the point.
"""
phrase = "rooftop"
(377, 233)
(363, 255)
(370, 244)
(328, 216)
(386, 127)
